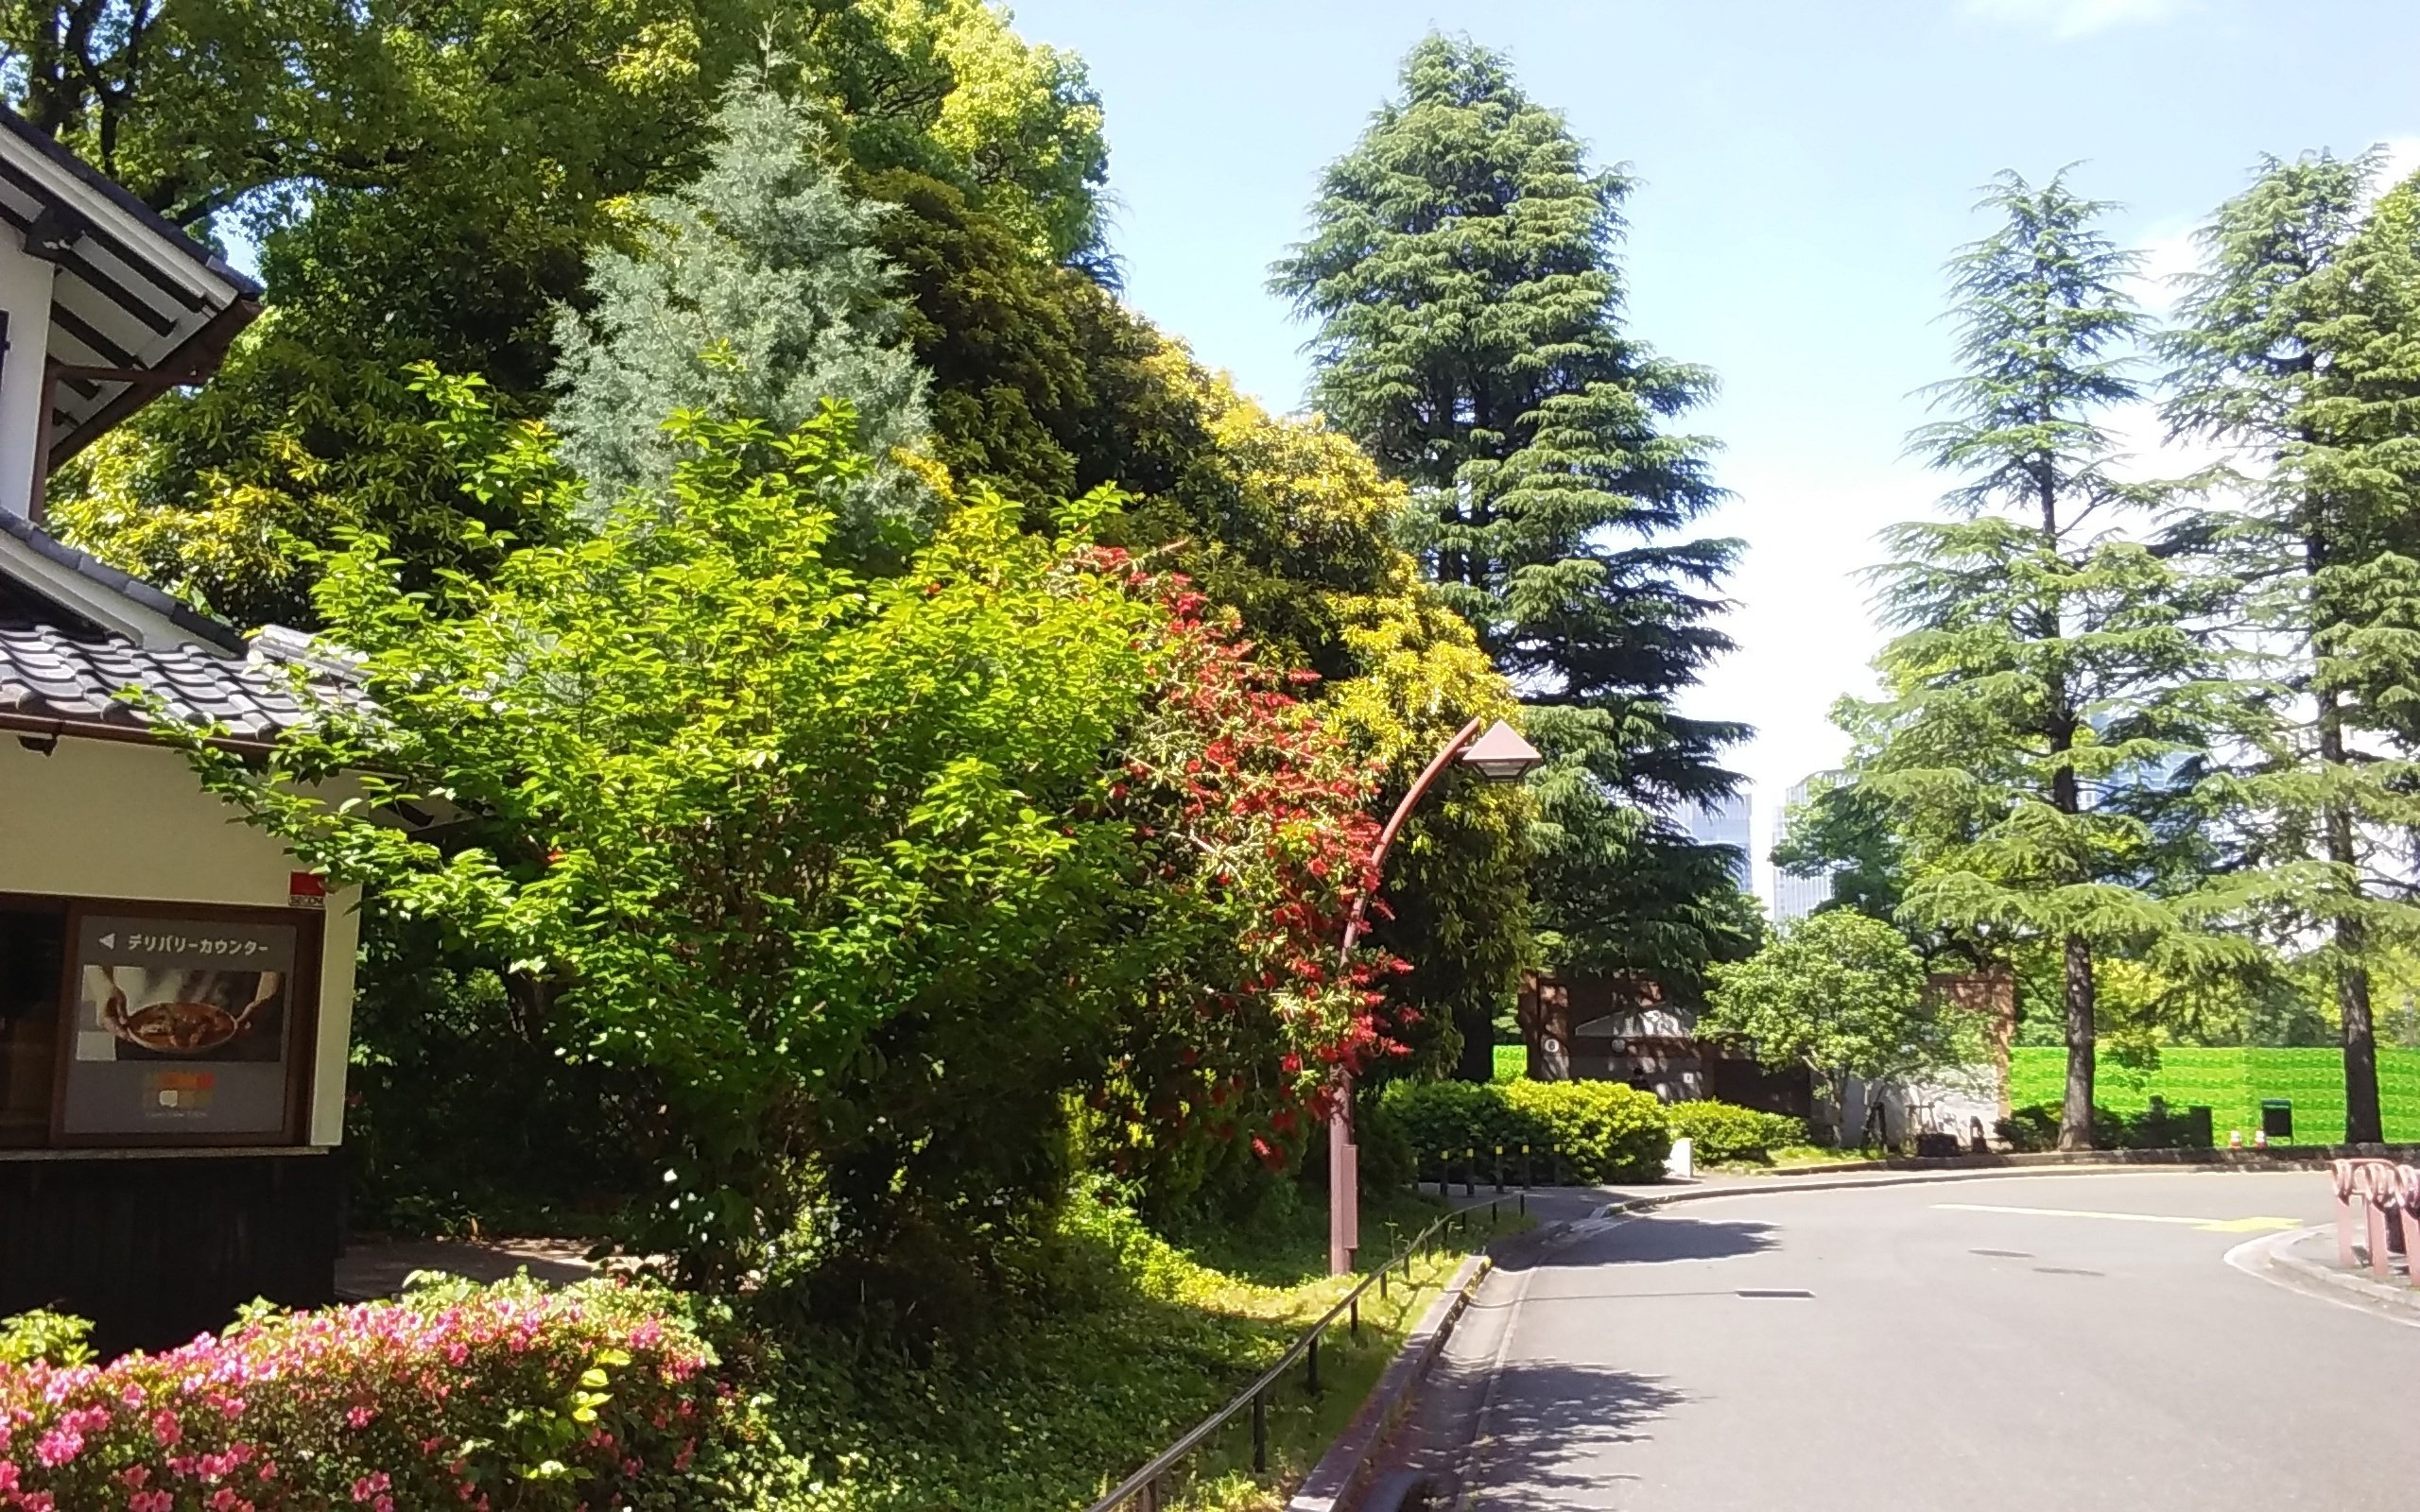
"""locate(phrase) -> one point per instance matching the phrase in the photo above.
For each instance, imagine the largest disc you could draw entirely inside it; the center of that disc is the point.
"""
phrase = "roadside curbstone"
(2280, 1252)
(1851, 1178)
(1333, 1479)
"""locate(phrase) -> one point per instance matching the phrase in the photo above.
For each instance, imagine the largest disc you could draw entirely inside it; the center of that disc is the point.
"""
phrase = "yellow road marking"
(2215, 1225)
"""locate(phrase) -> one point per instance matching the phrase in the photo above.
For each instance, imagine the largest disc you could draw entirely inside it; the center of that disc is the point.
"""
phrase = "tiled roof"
(43, 674)
(169, 231)
(134, 589)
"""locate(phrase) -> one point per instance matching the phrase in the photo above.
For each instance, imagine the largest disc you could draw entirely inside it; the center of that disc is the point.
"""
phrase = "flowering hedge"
(1252, 815)
(486, 1398)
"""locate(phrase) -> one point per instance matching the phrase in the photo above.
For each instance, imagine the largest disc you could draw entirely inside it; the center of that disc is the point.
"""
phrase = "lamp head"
(1501, 755)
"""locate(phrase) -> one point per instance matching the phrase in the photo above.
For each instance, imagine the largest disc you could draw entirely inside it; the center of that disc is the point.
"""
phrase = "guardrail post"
(1500, 1168)
(1529, 1170)
(1382, 1278)
(1314, 1381)
(1470, 1171)
(1356, 1315)
(1445, 1171)
(1259, 1435)
(1491, 1213)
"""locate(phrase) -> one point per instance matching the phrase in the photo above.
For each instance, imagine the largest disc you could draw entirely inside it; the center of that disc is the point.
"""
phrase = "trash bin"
(2277, 1118)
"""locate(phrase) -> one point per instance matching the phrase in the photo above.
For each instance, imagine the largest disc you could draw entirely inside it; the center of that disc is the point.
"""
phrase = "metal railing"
(1143, 1488)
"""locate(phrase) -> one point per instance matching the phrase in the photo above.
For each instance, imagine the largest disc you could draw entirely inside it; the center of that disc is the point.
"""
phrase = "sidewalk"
(2311, 1257)
(369, 1269)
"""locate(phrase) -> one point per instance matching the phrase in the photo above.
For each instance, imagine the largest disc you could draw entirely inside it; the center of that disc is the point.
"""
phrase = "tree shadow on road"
(1548, 1427)
(1646, 1240)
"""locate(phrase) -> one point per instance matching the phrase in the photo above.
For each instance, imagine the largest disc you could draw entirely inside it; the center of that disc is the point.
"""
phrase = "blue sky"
(1806, 168)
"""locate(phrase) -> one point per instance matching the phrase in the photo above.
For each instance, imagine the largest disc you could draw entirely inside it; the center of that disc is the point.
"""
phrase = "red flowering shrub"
(489, 1398)
(1255, 818)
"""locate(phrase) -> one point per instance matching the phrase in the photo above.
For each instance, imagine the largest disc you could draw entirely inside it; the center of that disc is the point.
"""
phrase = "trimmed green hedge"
(2231, 1083)
(1603, 1131)
(1726, 1131)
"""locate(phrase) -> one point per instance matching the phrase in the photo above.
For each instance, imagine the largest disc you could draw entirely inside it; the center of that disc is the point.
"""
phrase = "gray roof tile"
(43, 674)
(134, 589)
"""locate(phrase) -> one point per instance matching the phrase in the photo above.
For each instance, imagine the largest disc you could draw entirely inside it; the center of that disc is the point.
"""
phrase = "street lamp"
(1501, 755)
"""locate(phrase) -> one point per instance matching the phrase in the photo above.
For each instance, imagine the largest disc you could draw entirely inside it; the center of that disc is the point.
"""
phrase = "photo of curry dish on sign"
(183, 1013)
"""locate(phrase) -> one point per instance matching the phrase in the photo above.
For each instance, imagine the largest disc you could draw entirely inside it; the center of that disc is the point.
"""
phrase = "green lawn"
(2232, 1082)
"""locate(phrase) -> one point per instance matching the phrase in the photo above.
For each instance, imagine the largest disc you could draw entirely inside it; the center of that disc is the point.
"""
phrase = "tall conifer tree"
(1462, 271)
(2048, 691)
(2298, 350)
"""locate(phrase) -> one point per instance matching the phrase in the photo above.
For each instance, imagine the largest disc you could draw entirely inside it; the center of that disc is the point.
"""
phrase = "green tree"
(1045, 387)
(752, 830)
(2298, 352)
(866, 885)
(2048, 689)
(754, 290)
(1842, 995)
(429, 185)
(1845, 834)
(1461, 267)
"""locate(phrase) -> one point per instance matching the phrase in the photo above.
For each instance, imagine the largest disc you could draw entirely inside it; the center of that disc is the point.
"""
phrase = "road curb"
(2276, 1157)
(1333, 1478)
(2359, 1284)
(1933, 1175)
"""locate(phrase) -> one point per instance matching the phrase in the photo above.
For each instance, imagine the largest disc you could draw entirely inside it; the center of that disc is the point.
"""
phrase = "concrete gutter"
(1332, 1480)
(2284, 1257)
(1986, 1168)
(2276, 1157)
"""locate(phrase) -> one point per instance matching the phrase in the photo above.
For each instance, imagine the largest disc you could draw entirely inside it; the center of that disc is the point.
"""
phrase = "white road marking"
(2216, 1225)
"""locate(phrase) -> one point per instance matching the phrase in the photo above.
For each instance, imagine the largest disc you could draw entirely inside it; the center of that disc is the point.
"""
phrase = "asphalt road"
(1903, 1347)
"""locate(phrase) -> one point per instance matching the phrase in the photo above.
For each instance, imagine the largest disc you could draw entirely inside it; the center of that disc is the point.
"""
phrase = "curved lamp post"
(1501, 755)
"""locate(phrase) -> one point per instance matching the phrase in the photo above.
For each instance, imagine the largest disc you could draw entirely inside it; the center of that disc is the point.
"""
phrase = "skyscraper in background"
(1797, 897)
(1727, 822)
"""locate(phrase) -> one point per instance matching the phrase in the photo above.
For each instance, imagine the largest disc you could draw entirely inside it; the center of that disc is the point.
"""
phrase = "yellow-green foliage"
(1019, 118)
(1321, 570)
(1113, 1341)
(1600, 1130)
(1726, 1131)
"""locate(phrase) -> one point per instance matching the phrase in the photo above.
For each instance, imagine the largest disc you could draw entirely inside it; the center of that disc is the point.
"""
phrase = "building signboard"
(182, 1028)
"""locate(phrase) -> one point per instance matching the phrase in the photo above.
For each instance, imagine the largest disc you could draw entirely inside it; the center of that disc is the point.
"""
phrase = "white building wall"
(107, 818)
(1953, 1103)
(25, 293)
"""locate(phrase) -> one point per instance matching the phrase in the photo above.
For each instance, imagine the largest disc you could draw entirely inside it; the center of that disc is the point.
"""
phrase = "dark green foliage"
(464, 1110)
(421, 187)
(1461, 267)
(2049, 695)
(2299, 352)
(427, 185)
(1038, 375)
(1725, 1131)
(2035, 1127)
(1596, 1130)
(1846, 832)
(1045, 386)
